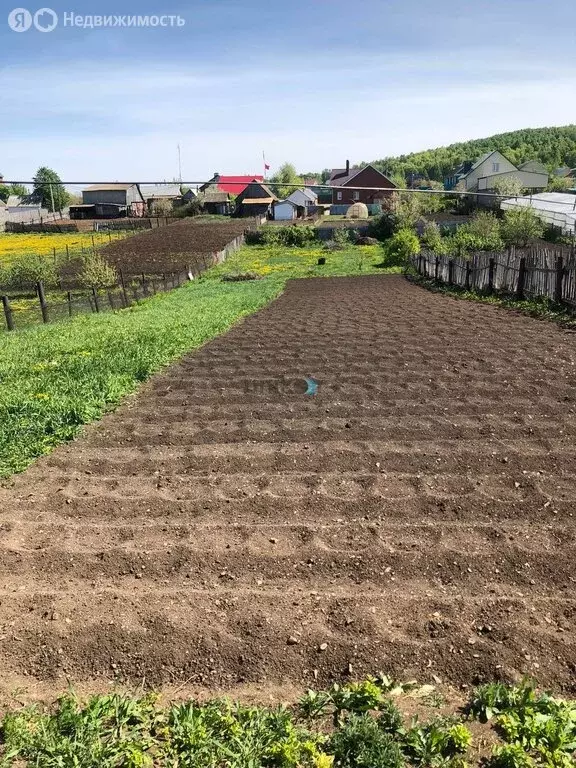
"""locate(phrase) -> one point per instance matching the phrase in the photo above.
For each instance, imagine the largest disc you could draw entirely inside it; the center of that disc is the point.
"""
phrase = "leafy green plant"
(520, 226)
(435, 742)
(361, 743)
(509, 756)
(29, 270)
(402, 246)
(96, 272)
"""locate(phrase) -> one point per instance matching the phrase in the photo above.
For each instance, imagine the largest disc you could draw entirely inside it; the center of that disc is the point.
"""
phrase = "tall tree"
(286, 180)
(49, 191)
(19, 190)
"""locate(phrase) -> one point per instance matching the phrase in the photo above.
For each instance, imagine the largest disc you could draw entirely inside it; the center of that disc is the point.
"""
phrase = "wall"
(114, 196)
(485, 169)
(528, 179)
(284, 212)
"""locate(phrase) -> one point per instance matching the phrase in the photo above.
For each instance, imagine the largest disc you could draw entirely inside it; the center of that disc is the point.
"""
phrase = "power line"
(211, 182)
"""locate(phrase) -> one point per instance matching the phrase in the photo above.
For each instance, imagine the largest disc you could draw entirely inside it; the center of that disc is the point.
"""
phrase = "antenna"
(179, 165)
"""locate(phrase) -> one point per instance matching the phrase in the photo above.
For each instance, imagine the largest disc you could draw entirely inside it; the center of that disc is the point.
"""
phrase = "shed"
(256, 200)
(285, 210)
(127, 197)
(216, 203)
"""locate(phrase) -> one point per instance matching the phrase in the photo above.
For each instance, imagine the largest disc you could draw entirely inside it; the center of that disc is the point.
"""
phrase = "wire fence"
(539, 273)
(32, 304)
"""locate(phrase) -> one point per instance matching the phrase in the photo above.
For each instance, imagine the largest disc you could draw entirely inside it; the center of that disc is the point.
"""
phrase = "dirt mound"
(414, 516)
(186, 243)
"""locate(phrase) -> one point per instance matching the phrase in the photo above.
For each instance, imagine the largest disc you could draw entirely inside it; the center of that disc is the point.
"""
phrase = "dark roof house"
(233, 185)
(359, 185)
(255, 200)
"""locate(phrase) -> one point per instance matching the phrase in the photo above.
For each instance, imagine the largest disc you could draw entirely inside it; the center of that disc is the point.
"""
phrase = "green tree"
(19, 190)
(560, 184)
(509, 186)
(4, 192)
(49, 191)
(286, 180)
(520, 226)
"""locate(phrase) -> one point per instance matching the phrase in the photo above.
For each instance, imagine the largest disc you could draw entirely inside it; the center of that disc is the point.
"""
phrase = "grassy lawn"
(56, 378)
(282, 263)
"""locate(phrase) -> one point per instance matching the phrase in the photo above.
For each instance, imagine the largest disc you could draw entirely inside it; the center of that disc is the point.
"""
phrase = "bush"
(96, 272)
(401, 247)
(431, 236)
(29, 270)
(520, 226)
(294, 236)
(360, 743)
(384, 226)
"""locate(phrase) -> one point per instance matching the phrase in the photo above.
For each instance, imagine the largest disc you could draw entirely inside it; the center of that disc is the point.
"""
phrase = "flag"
(266, 167)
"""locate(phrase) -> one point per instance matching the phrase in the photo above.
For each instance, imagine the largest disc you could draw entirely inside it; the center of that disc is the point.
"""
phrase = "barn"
(115, 200)
(256, 200)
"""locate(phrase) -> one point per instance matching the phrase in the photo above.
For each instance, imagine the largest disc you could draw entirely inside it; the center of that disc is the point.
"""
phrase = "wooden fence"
(547, 273)
(49, 307)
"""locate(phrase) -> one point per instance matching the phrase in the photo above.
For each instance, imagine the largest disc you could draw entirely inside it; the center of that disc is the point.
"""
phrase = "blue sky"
(313, 82)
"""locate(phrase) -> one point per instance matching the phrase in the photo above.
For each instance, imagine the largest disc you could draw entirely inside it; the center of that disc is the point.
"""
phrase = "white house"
(555, 208)
(285, 210)
(491, 167)
(305, 198)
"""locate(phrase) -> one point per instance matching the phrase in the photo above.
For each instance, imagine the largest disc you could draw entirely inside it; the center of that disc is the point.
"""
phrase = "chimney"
(347, 167)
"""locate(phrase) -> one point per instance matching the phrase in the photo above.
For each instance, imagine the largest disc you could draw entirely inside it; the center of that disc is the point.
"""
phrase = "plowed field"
(415, 515)
(165, 249)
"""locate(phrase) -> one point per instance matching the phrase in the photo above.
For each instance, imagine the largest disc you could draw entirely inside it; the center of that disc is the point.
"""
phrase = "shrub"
(384, 226)
(29, 270)
(294, 236)
(402, 246)
(360, 743)
(431, 236)
(96, 272)
(520, 226)
(484, 224)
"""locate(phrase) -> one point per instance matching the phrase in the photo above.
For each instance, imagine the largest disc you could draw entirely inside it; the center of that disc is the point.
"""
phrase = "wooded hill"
(555, 147)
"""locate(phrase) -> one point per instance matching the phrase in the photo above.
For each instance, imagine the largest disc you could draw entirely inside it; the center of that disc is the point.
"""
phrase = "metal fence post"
(8, 313)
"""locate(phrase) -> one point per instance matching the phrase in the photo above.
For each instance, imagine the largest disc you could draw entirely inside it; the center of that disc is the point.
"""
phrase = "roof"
(343, 181)
(259, 200)
(564, 172)
(215, 197)
(533, 166)
(287, 200)
(151, 191)
(108, 187)
(234, 185)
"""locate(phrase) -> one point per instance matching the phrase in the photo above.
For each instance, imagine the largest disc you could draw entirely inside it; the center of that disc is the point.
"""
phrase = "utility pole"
(179, 165)
(52, 197)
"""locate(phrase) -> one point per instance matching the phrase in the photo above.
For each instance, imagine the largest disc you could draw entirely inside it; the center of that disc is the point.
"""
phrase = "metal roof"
(151, 191)
(108, 187)
(556, 208)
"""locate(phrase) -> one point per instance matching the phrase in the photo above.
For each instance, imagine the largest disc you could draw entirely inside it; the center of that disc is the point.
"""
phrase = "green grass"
(282, 263)
(356, 725)
(56, 378)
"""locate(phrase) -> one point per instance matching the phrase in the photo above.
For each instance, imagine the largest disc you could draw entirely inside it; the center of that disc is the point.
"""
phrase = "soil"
(225, 530)
(187, 243)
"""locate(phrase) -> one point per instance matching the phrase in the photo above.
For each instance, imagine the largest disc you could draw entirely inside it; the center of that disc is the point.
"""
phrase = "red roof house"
(233, 185)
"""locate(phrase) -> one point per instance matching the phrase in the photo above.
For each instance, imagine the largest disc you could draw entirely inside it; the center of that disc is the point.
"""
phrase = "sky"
(312, 82)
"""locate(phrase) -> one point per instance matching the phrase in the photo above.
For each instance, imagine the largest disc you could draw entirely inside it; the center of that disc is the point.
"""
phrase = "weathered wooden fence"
(548, 273)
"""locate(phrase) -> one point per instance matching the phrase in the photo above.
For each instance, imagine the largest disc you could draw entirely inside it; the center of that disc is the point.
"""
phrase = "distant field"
(15, 246)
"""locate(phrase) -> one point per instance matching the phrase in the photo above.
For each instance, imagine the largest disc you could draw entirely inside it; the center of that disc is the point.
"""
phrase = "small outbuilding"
(256, 200)
(357, 211)
(285, 210)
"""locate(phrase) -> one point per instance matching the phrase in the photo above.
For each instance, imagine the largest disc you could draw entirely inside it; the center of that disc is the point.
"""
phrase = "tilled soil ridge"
(415, 515)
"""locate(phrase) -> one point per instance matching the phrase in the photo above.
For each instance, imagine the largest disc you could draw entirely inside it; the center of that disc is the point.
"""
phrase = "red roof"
(226, 183)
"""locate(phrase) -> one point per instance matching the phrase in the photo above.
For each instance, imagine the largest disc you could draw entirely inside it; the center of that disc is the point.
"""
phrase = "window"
(355, 195)
(338, 195)
(495, 167)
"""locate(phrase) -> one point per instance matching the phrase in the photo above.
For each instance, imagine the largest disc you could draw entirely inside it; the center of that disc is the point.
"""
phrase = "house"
(160, 197)
(285, 210)
(233, 185)
(491, 167)
(256, 200)
(557, 209)
(115, 200)
(216, 203)
(305, 198)
(356, 185)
